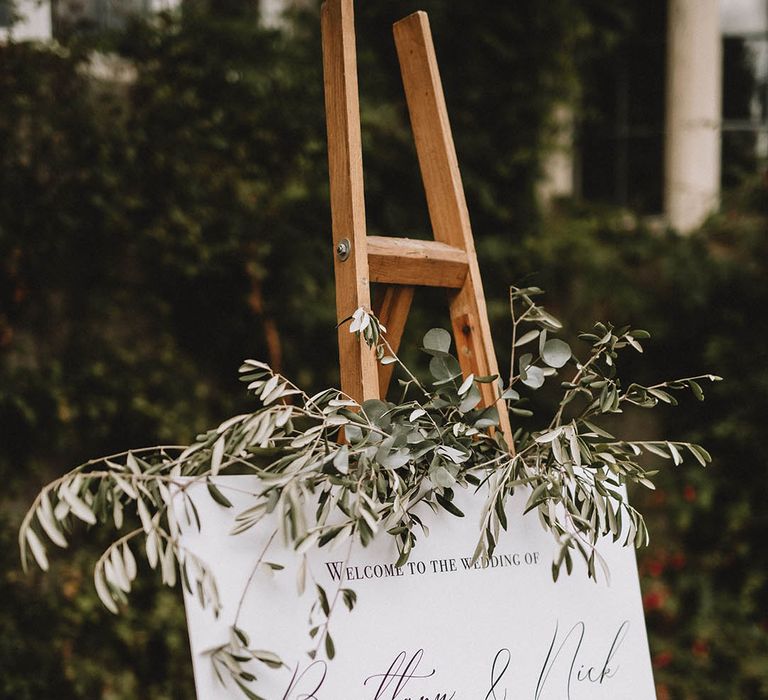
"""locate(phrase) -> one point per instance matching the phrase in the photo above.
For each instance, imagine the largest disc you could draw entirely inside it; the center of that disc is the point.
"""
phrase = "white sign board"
(439, 628)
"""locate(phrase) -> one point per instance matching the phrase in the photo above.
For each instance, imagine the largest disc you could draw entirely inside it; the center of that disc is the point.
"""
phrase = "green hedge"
(154, 234)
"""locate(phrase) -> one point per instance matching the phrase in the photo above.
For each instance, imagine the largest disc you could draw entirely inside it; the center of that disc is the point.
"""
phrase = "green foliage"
(702, 299)
(154, 232)
(57, 638)
(138, 267)
(395, 459)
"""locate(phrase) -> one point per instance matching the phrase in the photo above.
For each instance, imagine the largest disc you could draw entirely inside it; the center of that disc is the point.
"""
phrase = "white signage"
(438, 628)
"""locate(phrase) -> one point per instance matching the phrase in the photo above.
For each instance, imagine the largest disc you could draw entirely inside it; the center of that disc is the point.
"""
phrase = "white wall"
(34, 23)
(35, 19)
(164, 5)
(743, 16)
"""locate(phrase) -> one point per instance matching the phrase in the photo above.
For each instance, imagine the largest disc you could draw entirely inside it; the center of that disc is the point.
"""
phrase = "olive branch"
(396, 457)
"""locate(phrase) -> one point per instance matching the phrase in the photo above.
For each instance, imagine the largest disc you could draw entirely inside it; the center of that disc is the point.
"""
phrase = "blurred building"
(25, 20)
(677, 111)
(42, 20)
(680, 110)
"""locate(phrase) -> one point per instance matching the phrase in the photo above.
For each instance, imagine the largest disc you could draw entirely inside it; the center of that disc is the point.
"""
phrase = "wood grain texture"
(415, 262)
(445, 198)
(359, 375)
(392, 307)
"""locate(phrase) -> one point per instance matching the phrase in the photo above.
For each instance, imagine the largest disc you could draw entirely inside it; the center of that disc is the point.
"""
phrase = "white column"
(164, 5)
(558, 172)
(272, 12)
(694, 89)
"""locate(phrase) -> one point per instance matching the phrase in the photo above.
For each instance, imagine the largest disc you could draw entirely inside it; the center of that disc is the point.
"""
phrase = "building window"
(621, 143)
(745, 88)
(6, 13)
(91, 15)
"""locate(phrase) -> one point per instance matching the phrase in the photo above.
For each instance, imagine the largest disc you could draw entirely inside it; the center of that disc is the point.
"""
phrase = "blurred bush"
(705, 574)
(156, 230)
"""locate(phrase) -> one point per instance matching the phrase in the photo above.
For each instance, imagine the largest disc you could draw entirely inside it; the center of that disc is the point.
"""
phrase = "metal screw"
(343, 249)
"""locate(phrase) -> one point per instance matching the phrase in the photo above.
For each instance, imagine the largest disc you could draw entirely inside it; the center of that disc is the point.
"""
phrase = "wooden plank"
(445, 198)
(414, 262)
(432, 132)
(359, 376)
(392, 309)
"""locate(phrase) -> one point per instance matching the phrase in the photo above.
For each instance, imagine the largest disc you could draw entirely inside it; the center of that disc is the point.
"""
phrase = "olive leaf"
(335, 472)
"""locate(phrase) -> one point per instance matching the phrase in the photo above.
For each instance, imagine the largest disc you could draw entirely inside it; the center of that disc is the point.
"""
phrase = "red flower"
(678, 560)
(662, 659)
(700, 648)
(653, 601)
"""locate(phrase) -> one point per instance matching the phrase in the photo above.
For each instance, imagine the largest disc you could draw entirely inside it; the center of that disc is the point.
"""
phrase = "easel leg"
(359, 376)
(445, 199)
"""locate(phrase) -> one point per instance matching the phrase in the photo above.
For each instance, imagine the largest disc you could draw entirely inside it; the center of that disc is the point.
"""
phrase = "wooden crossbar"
(449, 261)
(405, 261)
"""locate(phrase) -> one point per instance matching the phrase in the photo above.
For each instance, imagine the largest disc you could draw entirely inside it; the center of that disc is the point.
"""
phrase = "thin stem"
(117, 543)
(576, 378)
(676, 381)
(251, 576)
(332, 605)
(404, 368)
(515, 323)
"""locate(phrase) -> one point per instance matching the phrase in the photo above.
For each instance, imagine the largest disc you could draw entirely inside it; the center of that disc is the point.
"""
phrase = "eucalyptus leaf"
(526, 338)
(510, 395)
(556, 352)
(534, 377)
(336, 474)
(444, 369)
(466, 385)
(437, 339)
(471, 400)
(442, 478)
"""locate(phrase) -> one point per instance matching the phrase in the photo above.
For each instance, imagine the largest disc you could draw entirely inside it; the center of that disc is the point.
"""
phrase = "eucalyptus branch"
(515, 325)
(571, 392)
(396, 457)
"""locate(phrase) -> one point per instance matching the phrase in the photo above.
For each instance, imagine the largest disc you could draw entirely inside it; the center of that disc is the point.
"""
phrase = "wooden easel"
(449, 261)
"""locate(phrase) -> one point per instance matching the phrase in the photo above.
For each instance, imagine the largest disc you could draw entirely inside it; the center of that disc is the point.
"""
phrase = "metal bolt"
(343, 249)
